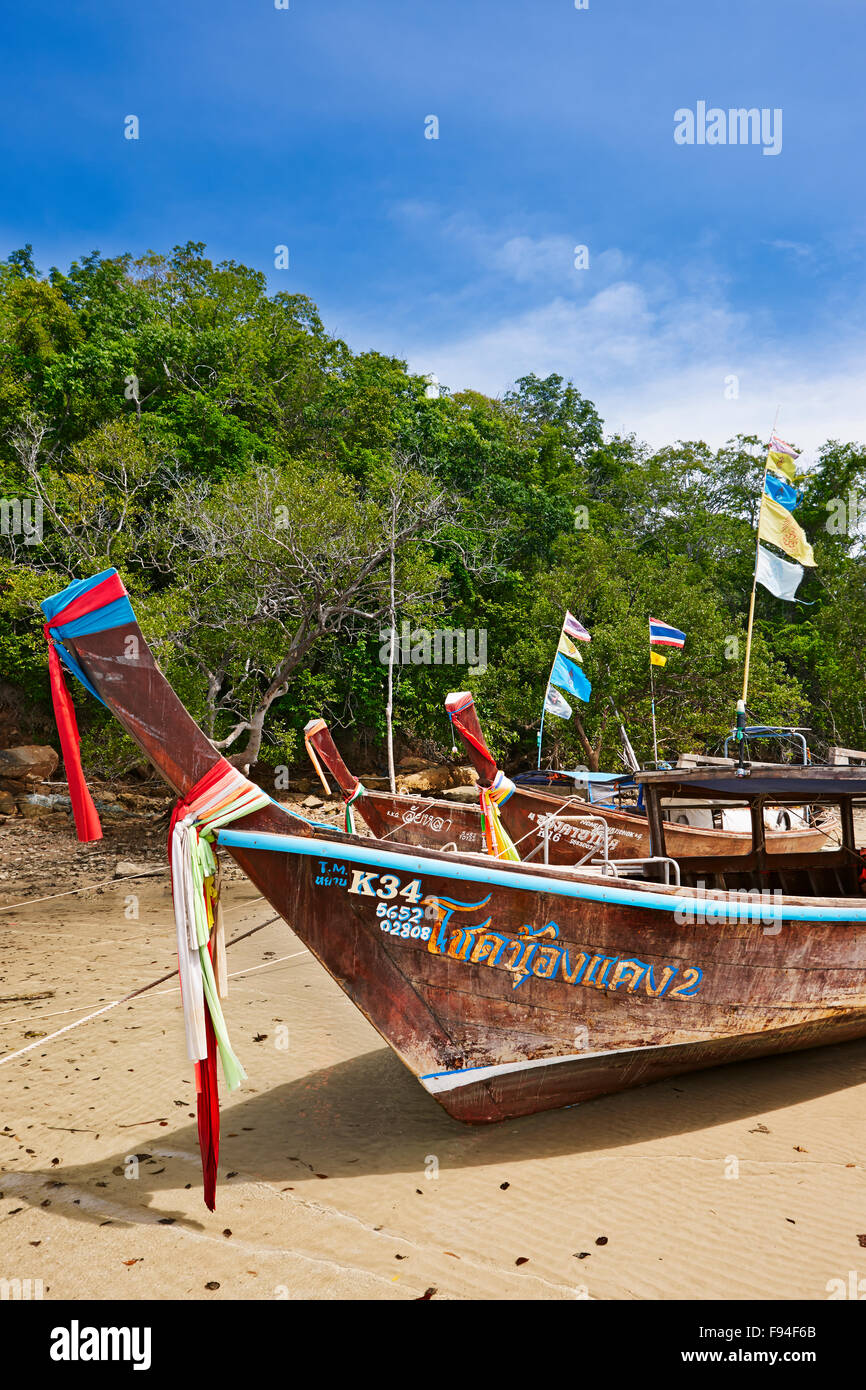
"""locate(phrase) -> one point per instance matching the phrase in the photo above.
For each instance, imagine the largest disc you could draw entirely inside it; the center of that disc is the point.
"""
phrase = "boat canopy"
(784, 785)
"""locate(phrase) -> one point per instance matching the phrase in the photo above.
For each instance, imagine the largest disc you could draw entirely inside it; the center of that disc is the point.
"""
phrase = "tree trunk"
(590, 752)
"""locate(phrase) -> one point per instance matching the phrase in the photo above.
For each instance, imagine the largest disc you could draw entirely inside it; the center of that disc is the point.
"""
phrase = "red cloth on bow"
(208, 1113)
(86, 818)
(479, 745)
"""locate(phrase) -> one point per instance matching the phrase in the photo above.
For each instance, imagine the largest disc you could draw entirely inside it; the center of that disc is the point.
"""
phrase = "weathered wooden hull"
(527, 997)
(523, 987)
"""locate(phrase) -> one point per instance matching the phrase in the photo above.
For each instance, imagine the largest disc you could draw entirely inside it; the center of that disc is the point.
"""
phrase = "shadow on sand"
(369, 1116)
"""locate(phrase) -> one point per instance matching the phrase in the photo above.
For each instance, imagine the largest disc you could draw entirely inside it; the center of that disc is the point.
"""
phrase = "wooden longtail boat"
(577, 832)
(412, 820)
(512, 988)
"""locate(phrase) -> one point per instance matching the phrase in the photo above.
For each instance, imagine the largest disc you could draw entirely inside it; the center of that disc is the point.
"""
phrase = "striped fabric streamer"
(222, 796)
(496, 837)
(350, 801)
(83, 607)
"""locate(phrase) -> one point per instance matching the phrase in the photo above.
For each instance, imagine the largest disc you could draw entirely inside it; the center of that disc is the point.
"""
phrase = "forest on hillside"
(255, 482)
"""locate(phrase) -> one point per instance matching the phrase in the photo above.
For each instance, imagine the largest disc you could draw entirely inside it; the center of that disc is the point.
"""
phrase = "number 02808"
(403, 921)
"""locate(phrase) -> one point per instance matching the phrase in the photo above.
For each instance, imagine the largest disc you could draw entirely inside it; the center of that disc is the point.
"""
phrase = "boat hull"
(544, 991)
(524, 987)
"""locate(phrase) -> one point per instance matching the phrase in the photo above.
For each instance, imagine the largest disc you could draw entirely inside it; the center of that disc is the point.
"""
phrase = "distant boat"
(579, 830)
(509, 988)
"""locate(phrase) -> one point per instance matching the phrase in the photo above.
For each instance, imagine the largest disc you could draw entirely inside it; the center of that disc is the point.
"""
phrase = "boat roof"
(573, 775)
(782, 784)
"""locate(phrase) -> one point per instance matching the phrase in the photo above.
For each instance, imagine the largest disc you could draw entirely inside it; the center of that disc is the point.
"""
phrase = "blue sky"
(305, 127)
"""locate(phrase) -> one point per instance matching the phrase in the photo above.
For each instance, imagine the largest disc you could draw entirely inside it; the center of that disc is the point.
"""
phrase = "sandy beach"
(339, 1176)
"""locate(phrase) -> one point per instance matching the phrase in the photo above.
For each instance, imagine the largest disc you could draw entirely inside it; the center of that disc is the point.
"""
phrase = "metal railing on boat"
(671, 867)
(618, 868)
(615, 868)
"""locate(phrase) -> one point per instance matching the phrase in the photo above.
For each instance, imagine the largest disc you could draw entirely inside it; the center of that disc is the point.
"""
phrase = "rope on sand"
(26, 902)
(106, 1008)
(232, 975)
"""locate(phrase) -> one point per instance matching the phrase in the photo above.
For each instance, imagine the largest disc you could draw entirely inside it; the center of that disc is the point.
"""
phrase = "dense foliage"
(251, 478)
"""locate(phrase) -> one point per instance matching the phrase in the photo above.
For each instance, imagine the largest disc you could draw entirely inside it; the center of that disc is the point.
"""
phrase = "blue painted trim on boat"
(711, 908)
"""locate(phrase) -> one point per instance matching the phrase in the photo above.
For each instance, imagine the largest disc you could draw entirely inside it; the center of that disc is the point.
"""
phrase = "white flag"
(554, 703)
(778, 575)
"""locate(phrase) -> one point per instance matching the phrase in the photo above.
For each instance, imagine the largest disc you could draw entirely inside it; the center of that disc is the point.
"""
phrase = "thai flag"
(572, 628)
(665, 635)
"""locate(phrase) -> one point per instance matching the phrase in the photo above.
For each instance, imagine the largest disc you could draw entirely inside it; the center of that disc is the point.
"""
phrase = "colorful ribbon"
(223, 795)
(87, 606)
(350, 800)
(496, 837)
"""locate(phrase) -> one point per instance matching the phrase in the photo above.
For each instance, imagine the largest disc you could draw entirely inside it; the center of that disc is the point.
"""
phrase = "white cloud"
(796, 248)
(654, 345)
(661, 365)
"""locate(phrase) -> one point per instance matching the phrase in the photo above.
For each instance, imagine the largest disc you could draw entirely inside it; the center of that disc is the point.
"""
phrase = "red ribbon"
(208, 1115)
(480, 747)
(86, 818)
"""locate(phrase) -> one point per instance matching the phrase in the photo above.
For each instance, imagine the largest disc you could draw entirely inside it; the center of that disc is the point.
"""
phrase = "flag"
(781, 459)
(554, 703)
(572, 628)
(568, 647)
(565, 673)
(657, 660)
(783, 465)
(779, 527)
(781, 447)
(778, 575)
(665, 635)
(782, 492)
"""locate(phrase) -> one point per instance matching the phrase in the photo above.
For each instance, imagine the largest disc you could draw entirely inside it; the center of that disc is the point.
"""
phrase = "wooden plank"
(842, 756)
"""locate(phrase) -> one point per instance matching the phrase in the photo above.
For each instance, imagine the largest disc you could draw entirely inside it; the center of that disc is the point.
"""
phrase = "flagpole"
(757, 559)
(653, 690)
(544, 706)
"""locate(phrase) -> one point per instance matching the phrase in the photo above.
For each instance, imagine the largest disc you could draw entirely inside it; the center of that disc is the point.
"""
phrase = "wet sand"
(341, 1178)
